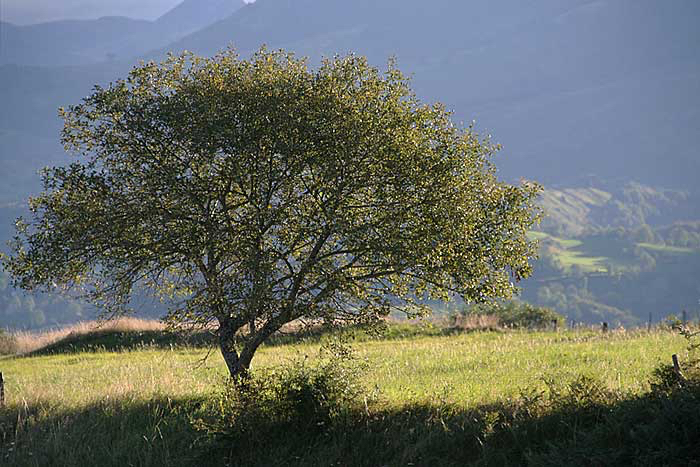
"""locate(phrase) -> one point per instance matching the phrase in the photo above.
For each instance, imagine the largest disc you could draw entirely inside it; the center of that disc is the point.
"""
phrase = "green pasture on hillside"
(589, 258)
(667, 248)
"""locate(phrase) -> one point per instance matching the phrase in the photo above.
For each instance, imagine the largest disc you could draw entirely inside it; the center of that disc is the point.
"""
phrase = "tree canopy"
(250, 193)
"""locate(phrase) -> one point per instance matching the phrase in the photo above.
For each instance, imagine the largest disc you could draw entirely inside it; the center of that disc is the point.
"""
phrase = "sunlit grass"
(562, 242)
(666, 248)
(140, 406)
(569, 258)
(26, 342)
(473, 368)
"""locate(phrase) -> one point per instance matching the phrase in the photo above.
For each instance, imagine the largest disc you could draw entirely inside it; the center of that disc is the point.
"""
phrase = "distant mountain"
(188, 17)
(573, 212)
(23, 12)
(605, 87)
(79, 42)
(65, 42)
(192, 15)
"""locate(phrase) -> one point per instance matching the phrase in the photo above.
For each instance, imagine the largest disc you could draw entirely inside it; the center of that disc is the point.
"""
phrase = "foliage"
(516, 314)
(301, 397)
(250, 193)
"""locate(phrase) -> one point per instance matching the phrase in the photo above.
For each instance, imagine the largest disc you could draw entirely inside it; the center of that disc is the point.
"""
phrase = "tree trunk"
(237, 364)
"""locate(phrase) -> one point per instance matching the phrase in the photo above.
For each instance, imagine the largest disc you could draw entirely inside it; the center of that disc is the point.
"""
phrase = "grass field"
(567, 252)
(667, 248)
(137, 406)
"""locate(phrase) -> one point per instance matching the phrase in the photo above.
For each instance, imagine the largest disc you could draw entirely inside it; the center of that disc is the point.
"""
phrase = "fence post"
(605, 327)
(2, 391)
(649, 323)
(685, 317)
(555, 325)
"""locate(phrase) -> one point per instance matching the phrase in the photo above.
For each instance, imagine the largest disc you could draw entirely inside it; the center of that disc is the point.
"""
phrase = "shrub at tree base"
(299, 399)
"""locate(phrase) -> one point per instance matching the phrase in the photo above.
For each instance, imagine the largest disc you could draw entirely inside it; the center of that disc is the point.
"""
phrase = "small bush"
(514, 314)
(298, 399)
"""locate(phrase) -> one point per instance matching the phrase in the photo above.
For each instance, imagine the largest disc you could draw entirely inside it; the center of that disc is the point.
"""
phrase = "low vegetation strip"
(30, 342)
(489, 398)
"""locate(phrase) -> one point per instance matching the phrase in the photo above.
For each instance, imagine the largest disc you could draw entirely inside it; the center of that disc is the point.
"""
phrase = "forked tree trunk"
(237, 364)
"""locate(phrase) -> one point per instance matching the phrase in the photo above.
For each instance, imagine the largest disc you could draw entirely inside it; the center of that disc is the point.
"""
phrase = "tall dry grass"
(477, 322)
(25, 342)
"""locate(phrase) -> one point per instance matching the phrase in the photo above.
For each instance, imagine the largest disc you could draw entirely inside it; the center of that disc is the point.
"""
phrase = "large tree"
(251, 193)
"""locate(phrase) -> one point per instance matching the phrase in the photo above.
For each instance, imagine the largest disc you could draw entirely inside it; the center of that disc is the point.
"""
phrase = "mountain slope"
(188, 17)
(608, 87)
(605, 87)
(65, 42)
(79, 42)
(192, 15)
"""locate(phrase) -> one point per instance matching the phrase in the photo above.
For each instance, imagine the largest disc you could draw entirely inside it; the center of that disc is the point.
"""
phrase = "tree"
(251, 193)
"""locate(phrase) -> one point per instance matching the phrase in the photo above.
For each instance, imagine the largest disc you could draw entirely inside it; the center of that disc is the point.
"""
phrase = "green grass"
(589, 258)
(136, 407)
(562, 242)
(666, 248)
(565, 251)
(570, 258)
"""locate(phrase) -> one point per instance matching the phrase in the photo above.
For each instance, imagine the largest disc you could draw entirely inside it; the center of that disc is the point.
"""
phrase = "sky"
(38, 11)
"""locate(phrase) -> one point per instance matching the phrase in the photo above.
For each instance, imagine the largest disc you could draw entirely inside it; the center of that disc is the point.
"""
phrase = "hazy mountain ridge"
(573, 212)
(568, 88)
(66, 42)
(81, 42)
(583, 87)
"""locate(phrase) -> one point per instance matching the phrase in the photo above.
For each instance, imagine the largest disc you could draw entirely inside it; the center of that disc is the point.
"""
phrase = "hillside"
(81, 42)
(572, 212)
(66, 42)
(604, 87)
(620, 254)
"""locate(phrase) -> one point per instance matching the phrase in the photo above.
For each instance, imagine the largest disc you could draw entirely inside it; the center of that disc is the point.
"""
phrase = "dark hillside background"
(606, 87)
(599, 100)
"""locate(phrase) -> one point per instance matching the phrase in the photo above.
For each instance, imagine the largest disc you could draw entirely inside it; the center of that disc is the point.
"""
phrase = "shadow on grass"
(111, 433)
(121, 341)
(585, 428)
(577, 425)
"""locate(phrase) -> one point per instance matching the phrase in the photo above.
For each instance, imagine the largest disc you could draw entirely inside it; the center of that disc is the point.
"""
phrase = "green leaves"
(259, 191)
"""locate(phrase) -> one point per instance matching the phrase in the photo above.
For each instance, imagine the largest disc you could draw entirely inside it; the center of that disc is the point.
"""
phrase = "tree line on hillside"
(631, 275)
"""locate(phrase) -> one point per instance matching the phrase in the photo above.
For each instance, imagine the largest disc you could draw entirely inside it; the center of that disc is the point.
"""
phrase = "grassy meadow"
(428, 395)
